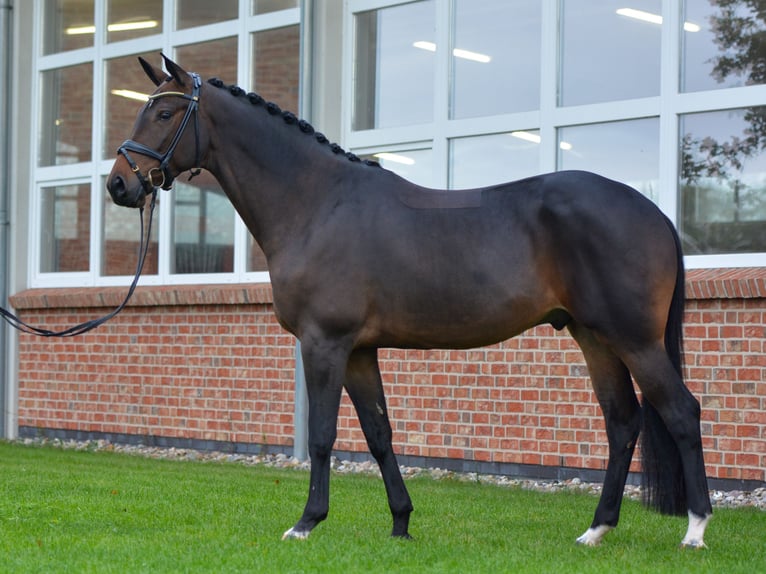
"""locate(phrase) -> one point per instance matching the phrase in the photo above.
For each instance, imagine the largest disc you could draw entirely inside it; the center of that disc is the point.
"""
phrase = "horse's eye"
(164, 115)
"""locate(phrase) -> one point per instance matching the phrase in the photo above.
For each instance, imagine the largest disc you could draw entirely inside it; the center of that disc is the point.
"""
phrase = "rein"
(143, 249)
(147, 182)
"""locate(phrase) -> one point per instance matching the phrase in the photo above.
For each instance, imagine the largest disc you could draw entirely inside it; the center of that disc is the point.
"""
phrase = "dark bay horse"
(360, 259)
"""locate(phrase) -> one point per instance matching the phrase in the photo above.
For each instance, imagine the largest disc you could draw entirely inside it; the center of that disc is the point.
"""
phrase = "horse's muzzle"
(123, 196)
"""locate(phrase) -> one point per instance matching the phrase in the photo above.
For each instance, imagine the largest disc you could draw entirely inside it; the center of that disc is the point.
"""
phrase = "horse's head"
(162, 144)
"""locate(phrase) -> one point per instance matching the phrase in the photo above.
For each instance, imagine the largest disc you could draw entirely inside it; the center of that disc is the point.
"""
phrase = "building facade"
(666, 96)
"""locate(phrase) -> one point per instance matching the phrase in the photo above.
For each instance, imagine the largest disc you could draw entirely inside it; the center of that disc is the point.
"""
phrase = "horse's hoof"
(404, 536)
(593, 536)
(585, 541)
(293, 534)
(693, 544)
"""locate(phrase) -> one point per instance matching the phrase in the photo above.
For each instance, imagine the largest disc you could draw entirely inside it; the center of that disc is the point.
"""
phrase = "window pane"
(723, 44)
(276, 66)
(203, 227)
(486, 160)
(265, 6)
(496, 57)
(122, 237)
(66, 115)
(413, 165)
(394, 66)
(67, 25)
(623, 63)
(126, 89)
(216, 58)
(132, 19)
(190, 13)
(624, 151)
(65, 228)
(723, 181)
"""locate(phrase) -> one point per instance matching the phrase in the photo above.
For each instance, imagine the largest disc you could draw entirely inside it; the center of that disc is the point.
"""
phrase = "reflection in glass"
(496, 57)
(65, 228)
(133, 19)
(626, 151)
(276, 66)
(126, 89)
(414, 165)
(394, 66)
(723, 181)
(121, 239)
(487, 160)
(723, 44)
(265, 6)
(190, 13)
(66, 115)
(624, 63)
(203, 227)
(217, 58)
(67, 25)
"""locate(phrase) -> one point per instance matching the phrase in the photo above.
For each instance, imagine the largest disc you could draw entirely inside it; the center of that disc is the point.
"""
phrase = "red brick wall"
(211, 363)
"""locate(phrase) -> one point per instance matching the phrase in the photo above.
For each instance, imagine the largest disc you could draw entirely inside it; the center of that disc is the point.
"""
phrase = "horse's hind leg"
(364, 386)
(680, 482)
(622, 413)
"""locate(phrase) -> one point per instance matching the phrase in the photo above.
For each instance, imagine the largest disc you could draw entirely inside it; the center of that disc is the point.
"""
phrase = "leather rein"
(147, 181)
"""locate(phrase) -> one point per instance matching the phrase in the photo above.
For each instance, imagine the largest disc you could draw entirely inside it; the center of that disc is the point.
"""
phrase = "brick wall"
(211, 363)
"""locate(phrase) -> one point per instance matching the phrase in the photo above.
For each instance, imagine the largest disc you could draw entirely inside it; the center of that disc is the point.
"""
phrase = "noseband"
(147, 181)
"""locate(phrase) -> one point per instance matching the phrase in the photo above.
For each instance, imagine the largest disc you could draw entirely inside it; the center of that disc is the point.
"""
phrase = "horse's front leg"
(324, 363)
(364, 386)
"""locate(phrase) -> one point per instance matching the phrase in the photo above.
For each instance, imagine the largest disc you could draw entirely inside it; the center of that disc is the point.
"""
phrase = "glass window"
(190, 13)
(394, 66)
(415, 165)
(121, 239)
(276, 65)
(67, 25)
(65, 228)
(486, 160)
(623, 63)
(265, 6)
(131, 19)
(203, 227)
(626, 151)
(723, 44)
(127, 87)
(66, 115)
(723, 181)
(495, 57)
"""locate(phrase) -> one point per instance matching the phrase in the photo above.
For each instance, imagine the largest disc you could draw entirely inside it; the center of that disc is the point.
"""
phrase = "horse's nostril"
(116, 187)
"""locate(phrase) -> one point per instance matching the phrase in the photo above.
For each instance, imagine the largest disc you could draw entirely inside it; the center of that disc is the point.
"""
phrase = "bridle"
(147, 181)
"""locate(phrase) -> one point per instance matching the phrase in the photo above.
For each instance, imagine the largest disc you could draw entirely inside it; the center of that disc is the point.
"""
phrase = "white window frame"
(669, 106)
(94, 171)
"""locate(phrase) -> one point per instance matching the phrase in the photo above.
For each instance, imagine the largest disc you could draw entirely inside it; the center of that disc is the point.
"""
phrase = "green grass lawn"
(74, 511)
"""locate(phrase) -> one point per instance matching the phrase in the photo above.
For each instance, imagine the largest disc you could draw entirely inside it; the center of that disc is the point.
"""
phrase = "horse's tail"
(663, 484)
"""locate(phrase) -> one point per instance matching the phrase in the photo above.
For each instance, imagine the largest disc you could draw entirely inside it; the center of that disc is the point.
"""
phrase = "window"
(662, 95)
(90, 89)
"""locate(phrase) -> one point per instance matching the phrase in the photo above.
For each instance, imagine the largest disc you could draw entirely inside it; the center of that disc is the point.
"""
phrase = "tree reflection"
(711, 167)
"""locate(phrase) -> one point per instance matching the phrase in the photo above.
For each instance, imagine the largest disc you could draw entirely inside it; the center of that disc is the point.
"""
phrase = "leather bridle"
(148, 180)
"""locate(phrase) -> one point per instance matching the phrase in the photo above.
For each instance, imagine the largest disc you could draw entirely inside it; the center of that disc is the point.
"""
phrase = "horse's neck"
(272, 173)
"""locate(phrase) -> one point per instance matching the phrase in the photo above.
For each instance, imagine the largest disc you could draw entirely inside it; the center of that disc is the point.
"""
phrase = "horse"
(361, 258)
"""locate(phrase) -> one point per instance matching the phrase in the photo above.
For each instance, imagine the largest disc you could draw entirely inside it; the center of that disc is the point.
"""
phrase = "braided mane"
(289, 119)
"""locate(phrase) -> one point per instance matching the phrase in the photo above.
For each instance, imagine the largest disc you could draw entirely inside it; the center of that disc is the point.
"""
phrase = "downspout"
(301, 413)
(6, 69)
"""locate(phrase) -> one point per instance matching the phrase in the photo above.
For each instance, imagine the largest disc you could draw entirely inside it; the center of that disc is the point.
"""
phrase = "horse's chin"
(133, 200)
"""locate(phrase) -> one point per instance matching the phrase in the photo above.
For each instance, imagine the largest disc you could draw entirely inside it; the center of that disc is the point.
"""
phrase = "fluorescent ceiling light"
(652, 18)
(457, 52)
(535, 138)
(131, 95)
(395, 157)
(119, 27)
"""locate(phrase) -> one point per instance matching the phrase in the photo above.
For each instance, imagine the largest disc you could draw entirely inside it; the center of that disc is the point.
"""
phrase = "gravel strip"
(719, 498)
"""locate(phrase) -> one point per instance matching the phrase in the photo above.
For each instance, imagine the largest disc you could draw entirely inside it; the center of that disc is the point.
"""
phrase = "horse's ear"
(178, 73)
(155, 74)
